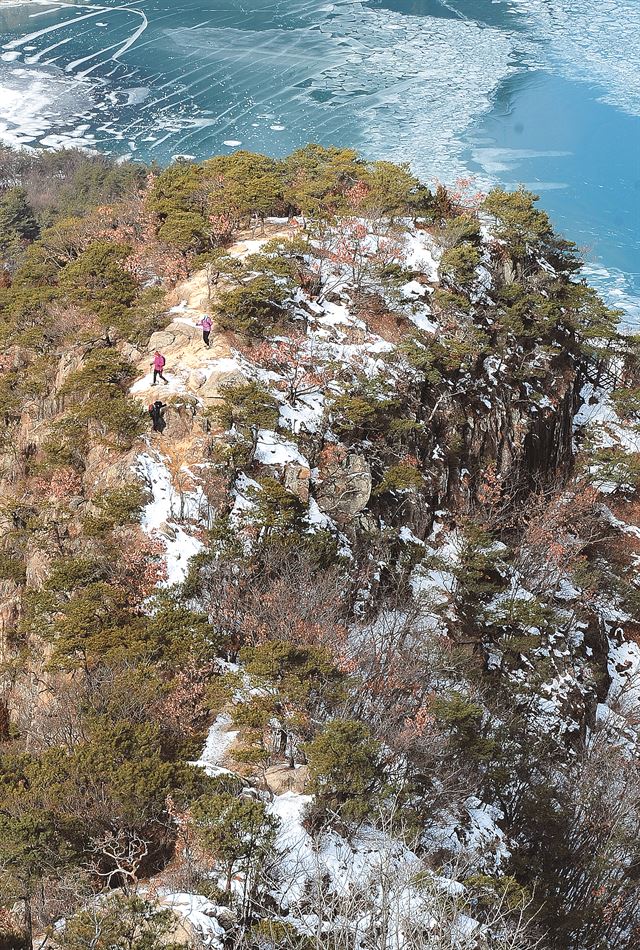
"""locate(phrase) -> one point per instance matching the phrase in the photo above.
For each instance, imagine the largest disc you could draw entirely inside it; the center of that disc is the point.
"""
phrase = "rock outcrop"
(297, 480)
(344, 488)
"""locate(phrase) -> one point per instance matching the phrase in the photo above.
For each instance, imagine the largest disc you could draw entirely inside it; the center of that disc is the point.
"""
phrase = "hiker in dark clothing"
(158, 368)
(206, 325)
(157, 418)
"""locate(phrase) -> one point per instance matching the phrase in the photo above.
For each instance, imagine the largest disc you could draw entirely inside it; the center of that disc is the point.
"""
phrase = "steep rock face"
(548, 446)
(68, 363)
(465, 443)
(37, 568)
(57, 526)
(106, 468)
(524, 442)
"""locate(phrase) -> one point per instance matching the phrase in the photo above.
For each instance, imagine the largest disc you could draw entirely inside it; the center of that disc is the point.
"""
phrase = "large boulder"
(177, 334)
(296, 480)
(179, 420)
(209, 391)
(345, 488)
(130, 352)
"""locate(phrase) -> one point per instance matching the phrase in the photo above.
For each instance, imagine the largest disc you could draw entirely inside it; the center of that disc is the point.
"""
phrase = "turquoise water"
(545, 92)
(582, 156)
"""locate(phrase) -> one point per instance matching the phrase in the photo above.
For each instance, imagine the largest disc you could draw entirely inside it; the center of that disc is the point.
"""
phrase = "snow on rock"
(435, 580)
(179, 553)
(597, 411)
(435, 585)
(345, 863)
(619, 524)
(422, 320)
(406, 534)
(413, 289)
(422, 254)
(476, 836)
(162, 513)
(317, 519)
(306, 414)
(241, 491)
(219, 740)
(567, 590)
(617, 716)
(483, 836)
(294, 842)
(200, 913)
(617, 730)
(624, 670)
(491, 367)
(336, 314)
(373, 863)
(272, 449)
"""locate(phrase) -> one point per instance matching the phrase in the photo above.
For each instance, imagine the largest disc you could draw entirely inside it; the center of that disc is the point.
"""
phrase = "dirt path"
(192, 369)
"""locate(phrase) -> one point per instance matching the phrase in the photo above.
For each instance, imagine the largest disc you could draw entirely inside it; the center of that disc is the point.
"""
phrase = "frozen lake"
(545, 92)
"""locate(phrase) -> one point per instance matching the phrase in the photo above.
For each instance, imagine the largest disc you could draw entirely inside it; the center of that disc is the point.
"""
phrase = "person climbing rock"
(206, 325)
(158, 368)
(157, 418)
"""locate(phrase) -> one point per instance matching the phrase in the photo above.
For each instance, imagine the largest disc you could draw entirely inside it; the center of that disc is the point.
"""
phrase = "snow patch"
(159, 516)
(219, 740)
(200, 913)
(272, 449)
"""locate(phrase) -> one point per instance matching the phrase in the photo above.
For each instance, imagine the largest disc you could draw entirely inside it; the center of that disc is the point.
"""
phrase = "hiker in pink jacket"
(206, 325)
(158, 367)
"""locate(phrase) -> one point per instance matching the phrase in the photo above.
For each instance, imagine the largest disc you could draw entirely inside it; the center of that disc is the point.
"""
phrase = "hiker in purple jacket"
(206, 325)
(158, 367)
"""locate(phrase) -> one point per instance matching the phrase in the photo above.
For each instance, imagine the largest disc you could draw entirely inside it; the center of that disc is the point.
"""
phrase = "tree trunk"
(28, 922)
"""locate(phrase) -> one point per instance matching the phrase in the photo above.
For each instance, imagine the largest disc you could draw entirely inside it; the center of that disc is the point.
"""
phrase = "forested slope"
(345, 655)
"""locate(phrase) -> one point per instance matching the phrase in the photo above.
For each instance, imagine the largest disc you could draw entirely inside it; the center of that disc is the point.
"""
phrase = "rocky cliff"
(365, 601)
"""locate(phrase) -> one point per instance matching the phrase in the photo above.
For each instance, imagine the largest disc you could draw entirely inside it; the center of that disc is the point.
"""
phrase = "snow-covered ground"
(273, 449)
(309, 873)
(219, 740)
(171, 515)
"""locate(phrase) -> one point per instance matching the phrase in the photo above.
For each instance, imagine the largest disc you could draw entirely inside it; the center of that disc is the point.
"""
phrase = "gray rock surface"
(345, 488)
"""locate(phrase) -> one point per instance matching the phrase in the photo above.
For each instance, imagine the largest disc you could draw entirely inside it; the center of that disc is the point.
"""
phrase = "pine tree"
(346, 768)
(236, 831)
(18, 224)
